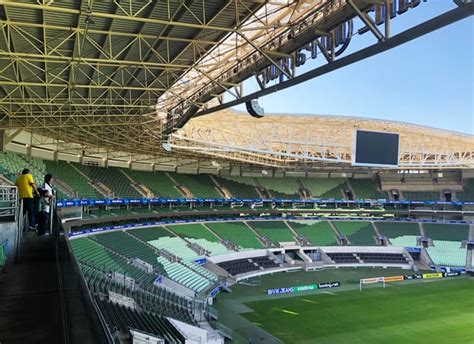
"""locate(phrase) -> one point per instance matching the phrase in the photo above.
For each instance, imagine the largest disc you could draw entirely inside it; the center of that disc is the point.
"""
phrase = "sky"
(427, 81)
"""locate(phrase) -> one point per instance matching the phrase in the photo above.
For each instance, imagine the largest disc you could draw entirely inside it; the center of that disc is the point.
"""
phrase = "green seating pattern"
(179, 248)
(128, 246)
(421, 195)
(316, 232)
(112, 178)
(121, 318)
(214, 248)
(397, 229)
(237, 233)
(275, 231)
(358, 232)
(446, 231)
(324, 187)
(158, 183)
(200, 185)
(404, 241)
(89, 251)
(447, 253)
(366, 189)
(150, 233)
(183, 275)
(63, 171)
(196, 231)
(148, 297)
(281, 187)
(238, 189)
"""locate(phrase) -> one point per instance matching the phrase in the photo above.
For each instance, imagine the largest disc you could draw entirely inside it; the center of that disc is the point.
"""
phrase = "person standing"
(47, 197)
(26, 187)
(44, 209)
(48, 185)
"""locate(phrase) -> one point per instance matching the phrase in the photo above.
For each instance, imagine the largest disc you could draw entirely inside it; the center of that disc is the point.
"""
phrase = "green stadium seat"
(111, 177)
(67, 174)
(157, 182)
(239, 187)
(421, 196)
(281, 187)
(237, 233)
(324, 187)
(200, 185)
(397, 229)
(450, 232)
(318, 233)
(196, 231)
(366, 189)
(275, 231)
(447, 253)
(358, 232)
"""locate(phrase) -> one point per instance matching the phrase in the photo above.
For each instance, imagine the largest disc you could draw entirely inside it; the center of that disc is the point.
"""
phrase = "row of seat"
(245, 265)
(122, 319)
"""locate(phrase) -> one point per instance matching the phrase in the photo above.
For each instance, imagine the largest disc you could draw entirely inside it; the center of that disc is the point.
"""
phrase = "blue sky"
(427, 81)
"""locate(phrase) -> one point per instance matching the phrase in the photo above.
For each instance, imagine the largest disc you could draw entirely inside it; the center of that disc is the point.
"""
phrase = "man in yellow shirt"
(26, 187)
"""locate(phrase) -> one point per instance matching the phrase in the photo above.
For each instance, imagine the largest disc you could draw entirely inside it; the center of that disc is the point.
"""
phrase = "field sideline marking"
(310, 301)
(328, 292)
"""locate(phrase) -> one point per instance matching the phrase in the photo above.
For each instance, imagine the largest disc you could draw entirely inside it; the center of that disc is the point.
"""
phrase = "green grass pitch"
(426, 312)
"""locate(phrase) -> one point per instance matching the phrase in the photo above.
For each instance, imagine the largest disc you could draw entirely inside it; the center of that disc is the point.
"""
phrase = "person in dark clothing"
(43, 211)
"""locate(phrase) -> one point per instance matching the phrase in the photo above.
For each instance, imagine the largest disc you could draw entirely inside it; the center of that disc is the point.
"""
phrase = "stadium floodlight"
(254, 109)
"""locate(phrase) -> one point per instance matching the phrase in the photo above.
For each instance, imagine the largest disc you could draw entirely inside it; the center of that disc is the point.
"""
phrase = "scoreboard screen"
(373, 148)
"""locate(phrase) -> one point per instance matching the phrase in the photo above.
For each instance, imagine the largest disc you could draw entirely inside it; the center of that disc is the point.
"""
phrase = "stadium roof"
(115, 78)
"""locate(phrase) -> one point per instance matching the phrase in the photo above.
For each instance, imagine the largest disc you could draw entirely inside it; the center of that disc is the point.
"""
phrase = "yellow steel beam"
(56, 9)
(102, 87)
(96, 61)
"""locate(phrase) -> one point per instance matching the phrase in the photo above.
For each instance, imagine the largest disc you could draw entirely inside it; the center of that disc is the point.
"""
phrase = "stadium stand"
(366, 189)
(12, 165)
(196, 231)
(67, 174)
(281, 187)
(275, 231)
(343, 258)
(447, 253)
(398, 229)
(244, 265)
(111, 177)
(324, 187)
(179, 248)
(156, 182)
(200, 185)
(316, 232)
(449, 232)
(390, 258)
(237, 233)
(122, 319)
(150, 233)
(421, 196)
(148, 296)
(198, 234)
(358, 232)
(128, 246)
(237, 187)
(214, 248)
(405, 241)
(98, 257)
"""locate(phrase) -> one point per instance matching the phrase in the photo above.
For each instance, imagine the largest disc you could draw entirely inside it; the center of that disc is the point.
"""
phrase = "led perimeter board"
(372, 148)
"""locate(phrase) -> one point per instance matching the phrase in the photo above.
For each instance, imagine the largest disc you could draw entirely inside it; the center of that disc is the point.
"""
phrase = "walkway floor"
(30, 309)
